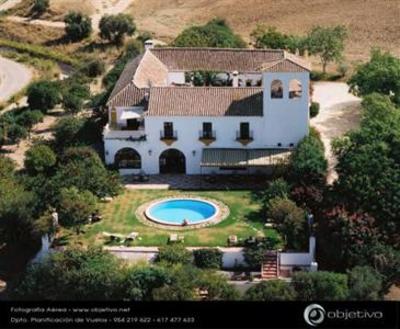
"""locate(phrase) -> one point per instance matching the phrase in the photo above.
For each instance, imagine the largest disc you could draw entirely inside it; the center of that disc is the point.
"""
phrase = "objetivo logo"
(314, 314)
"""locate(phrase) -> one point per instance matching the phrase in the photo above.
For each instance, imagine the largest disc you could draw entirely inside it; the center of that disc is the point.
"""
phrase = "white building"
(159, 122)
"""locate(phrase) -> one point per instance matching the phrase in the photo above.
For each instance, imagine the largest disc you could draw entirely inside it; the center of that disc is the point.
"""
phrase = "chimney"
(235, 79)
(148, 44)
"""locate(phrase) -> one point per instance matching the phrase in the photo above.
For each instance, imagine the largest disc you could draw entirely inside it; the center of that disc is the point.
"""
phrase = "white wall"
(286, 120)
(176, 77)
(188, 140)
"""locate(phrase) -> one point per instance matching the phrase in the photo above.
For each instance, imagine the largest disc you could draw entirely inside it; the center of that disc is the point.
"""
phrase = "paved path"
(13, 77)
(339, 113)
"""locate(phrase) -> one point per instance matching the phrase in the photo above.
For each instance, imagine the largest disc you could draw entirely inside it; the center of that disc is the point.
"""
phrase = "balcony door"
(244, 130)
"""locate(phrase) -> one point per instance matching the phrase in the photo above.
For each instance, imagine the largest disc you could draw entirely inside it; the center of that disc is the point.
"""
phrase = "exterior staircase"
(269, 266)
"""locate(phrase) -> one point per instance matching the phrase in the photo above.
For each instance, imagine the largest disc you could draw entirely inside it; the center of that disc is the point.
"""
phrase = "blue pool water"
(175, 212)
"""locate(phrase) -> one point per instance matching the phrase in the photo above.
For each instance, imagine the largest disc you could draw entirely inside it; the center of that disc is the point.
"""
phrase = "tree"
(290, 222)
(39, 158)
(216, 286)
(269, 37)
(74, 274)
(77, 26)
(89, 173)
(277, 188)
(329, 286)
(43, 95)
(29, 118)
(327, 43)
(307, 163)
(141, 281)
(16, 220)
(114, 28)
(40, 6)
(271, 291)
(216, 33)
(342, 237)
(381, 74)
(75, 207)
(364, 283)
(174, 254)
(7, 167)
(208, 258)
(369, 165)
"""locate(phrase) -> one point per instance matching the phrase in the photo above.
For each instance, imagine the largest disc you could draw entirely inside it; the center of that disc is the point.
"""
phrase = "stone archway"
(172, 161)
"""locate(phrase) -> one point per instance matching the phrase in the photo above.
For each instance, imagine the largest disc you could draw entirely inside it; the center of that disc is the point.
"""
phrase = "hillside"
(370, 22)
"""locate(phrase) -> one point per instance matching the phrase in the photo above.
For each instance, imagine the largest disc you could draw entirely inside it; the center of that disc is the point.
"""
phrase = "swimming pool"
(182, 212)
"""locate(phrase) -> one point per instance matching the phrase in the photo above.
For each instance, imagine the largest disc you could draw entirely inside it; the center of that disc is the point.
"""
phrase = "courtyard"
(119, 217)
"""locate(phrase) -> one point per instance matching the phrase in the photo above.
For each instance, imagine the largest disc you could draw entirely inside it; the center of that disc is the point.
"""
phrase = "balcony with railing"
(244, 137)
(207, 136)
(124, 133)
(168, 135)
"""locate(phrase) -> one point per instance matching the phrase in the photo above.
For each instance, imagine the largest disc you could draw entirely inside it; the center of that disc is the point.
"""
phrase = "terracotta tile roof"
(290, 63)
(216, 59)
(129, 96)
(150, 72)
(126, 76)
(205, 101)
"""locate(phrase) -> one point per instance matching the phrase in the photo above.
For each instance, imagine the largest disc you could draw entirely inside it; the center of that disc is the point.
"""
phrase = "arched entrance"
(128, 158)
(172, 161)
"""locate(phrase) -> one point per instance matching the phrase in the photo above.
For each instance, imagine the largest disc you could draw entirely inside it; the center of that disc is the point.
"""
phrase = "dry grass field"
(370, 22)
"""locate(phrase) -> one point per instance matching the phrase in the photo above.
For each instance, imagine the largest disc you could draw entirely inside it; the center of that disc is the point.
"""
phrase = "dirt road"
(339, 113)
(13, 77)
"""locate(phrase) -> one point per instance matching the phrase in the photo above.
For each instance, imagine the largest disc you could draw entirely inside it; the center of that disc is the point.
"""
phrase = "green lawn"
(119, 217)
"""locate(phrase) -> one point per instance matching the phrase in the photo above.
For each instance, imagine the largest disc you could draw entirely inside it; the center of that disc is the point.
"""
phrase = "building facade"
(206, 110)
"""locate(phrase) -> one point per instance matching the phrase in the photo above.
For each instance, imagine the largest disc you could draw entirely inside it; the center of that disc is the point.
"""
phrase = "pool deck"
(198, 182)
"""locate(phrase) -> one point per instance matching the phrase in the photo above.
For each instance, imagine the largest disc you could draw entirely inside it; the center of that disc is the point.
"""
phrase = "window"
(168, 130)
(132, 124)
(207, 130)
(244, 130)
(277, 89)
(295, 89)
(128, 158)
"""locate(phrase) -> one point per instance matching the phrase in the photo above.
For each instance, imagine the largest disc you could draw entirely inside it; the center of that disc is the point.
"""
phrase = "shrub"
(254, 254)
(15, 133)
(174, 254)
(114, 27)
(364, 283)
(40, 6)
(29, 118)
(314, 109)
(208, 258)
(311, 286)
(290, 222)
(342, 69)
(75, 207)
(271, 291)
(93, 68)
(43, 95)
(39, 158)
(77, 26)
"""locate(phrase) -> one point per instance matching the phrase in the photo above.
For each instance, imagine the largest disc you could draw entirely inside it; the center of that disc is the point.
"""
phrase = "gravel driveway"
(339, 113)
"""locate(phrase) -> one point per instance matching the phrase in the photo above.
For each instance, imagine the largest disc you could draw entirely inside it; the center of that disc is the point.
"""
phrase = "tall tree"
(114, 28)
(327, 43)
